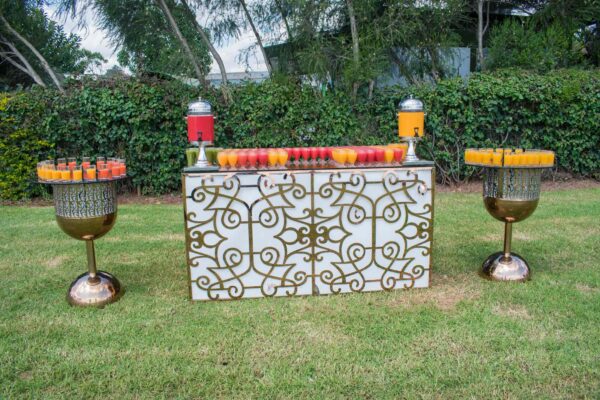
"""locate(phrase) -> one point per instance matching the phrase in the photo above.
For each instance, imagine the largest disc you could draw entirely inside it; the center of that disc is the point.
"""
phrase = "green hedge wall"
(143, 121)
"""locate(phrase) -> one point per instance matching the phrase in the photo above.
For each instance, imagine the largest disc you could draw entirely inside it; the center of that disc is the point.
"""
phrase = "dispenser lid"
(411, 104)
(199, 107)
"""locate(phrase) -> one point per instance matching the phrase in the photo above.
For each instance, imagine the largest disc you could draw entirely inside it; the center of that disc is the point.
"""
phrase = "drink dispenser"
(201, 128)
(411, 121)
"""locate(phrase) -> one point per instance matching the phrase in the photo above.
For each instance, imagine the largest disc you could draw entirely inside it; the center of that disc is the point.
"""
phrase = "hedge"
(143, 121)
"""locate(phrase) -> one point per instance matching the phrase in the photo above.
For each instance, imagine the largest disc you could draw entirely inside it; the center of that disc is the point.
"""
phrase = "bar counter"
(314, 231)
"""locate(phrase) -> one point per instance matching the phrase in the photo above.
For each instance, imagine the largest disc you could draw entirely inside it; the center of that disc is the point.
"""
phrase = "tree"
(150, 41)
(36, 49)
(213, 51)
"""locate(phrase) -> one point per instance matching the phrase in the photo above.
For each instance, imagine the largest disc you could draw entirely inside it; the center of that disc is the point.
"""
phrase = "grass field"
(462, 338)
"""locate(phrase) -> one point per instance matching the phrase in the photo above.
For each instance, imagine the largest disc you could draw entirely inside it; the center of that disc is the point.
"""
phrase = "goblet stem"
(507, 240)
(91, 258)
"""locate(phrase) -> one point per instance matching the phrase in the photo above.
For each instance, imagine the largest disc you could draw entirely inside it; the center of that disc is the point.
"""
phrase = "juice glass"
(100, 161)
(115, 169)
(56, 176)
(388, 155)
(85, 162)
(282, 157)
(263, 158)
(273, 158)
(361, 155)
(222, 159)
(104, 173)
(497, 158)
(65, 173)
(242, 159)
(296, 155)
(122, 167)
(90, 173)
(232, 158)
(323, 153)
(370, 155)
(398, 155)
(71, 162)
(351, 156)
(77, 173)
(252, 158)
(379, 154)
(305, 154)
(61, 162)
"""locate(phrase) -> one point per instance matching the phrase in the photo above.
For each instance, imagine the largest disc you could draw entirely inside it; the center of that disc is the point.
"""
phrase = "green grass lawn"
(462, 338)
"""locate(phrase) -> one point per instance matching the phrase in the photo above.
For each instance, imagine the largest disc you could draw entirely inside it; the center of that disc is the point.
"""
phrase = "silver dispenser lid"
(411, 104)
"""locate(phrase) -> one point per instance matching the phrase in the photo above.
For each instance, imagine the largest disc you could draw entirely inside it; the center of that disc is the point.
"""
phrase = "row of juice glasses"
(508, 157)
(251, 158)
(365, 155)
(310, 156)
(68, 170)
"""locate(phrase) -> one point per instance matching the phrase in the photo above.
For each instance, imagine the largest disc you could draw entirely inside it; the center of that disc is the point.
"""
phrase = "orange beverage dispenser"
(411, 121)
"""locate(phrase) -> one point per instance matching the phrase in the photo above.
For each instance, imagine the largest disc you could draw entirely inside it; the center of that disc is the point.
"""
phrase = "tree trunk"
(41, 58)
(186, 47)
(481, 29)
(355, 48)
(285, 21)
(258, 40)
(213, 51)
(26, 67)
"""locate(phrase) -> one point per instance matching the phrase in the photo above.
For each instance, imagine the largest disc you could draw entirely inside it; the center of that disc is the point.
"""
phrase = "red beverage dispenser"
(201, 128)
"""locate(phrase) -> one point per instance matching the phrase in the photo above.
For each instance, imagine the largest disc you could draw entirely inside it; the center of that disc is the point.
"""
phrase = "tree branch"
(41, 58)
(28, 68)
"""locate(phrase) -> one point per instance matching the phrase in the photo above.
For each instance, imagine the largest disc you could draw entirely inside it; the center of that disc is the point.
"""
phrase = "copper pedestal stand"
(87, 211)
(510, 194)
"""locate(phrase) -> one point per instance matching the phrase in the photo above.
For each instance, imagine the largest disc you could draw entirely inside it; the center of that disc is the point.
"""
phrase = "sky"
(94, 39)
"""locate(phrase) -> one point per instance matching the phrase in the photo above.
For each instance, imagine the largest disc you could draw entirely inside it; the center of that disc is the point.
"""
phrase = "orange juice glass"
(77, 174)
(273, 158)
(222, 159)
(90, 173)
(389, 155)
(282, 157)
(232, 158)
(351, 155)
(497, 159)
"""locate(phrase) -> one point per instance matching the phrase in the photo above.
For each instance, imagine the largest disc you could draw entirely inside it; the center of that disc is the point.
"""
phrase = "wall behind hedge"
(143, 121)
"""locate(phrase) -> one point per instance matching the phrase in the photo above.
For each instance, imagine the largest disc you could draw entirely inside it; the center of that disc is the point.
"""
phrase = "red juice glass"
(361, 155)
(370, 155)
(252, 158)
(323, 153)
(379, 154)
(305, 153)
(263, 158)
(242, 159)
(314, 154)
(296, 154)
(398, 155)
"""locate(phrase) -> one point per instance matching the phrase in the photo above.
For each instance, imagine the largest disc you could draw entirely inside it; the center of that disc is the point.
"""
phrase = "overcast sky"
(95, 39)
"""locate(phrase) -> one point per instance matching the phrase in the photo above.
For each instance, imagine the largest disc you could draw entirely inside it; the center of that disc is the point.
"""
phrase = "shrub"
(143, 121)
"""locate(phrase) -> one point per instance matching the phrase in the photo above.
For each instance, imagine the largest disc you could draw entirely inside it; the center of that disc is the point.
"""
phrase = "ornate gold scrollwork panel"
(307, 232)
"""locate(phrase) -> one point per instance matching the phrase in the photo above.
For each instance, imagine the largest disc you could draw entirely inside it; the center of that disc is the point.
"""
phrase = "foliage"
(20, 150)
(62, 51)
(518, 44)
(143, 121)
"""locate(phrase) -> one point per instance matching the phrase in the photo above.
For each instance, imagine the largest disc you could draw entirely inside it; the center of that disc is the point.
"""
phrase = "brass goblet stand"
(510, 194)
(87, 211)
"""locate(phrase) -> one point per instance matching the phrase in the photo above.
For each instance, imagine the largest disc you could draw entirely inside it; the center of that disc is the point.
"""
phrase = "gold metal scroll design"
(224, 264)
(393, 259)
(303, 236)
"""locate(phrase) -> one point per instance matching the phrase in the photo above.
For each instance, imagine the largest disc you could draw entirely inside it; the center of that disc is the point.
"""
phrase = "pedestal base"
(497, 268)
(98, 292)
